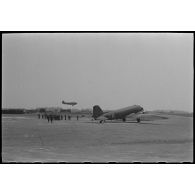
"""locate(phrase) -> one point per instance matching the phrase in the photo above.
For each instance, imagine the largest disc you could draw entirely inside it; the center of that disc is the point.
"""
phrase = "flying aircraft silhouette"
(69, 103)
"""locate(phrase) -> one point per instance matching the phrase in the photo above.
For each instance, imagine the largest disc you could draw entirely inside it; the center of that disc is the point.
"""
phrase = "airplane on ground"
(69, 103)
(98, 114)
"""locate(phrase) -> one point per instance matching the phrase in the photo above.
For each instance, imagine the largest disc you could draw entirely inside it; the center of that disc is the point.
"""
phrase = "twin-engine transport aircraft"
(98, 114)
(69, 103)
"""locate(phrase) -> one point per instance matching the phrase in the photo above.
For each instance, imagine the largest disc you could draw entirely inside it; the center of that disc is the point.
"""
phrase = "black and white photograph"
(97, 97)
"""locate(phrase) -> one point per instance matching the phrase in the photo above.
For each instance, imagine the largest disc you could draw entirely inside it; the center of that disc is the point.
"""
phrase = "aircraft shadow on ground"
(157, 141)
(121, 122)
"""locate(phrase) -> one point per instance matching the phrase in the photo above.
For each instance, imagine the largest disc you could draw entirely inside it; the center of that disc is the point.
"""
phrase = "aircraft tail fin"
(97, 111)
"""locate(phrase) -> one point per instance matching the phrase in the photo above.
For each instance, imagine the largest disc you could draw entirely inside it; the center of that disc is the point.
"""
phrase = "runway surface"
(26, 138)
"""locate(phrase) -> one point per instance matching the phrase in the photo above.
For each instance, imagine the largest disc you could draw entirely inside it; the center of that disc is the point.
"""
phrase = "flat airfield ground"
(25, 138)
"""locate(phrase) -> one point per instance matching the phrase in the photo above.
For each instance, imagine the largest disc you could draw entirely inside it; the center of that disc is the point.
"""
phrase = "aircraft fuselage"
(122, 113)
(116, 114)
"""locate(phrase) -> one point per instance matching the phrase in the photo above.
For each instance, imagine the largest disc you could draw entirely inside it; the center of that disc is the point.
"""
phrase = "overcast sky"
(111, 70)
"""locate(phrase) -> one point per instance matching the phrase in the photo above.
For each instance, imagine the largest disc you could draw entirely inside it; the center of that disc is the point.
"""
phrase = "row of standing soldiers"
(50, 117)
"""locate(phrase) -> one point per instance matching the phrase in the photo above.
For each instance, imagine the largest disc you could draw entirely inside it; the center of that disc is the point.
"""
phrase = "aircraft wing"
(147, 117)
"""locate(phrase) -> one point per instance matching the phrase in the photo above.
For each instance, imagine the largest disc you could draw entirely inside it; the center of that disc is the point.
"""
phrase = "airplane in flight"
(122, 113)
(69, 103)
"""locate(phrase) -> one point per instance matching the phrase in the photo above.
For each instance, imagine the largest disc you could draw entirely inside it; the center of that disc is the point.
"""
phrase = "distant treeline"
(13, 111)
(45, 110)
(31, 111)
(177, 113)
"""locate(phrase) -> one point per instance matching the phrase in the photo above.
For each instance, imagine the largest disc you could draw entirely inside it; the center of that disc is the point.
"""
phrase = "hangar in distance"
(122, 113)
(69, 103)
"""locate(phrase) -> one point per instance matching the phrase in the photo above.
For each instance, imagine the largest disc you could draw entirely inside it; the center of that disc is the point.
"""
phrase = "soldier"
(51, 119)
(64, 117)
(48, 118)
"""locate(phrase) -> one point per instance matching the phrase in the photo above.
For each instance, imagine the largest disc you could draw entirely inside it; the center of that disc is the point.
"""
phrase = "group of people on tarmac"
(50, 117)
